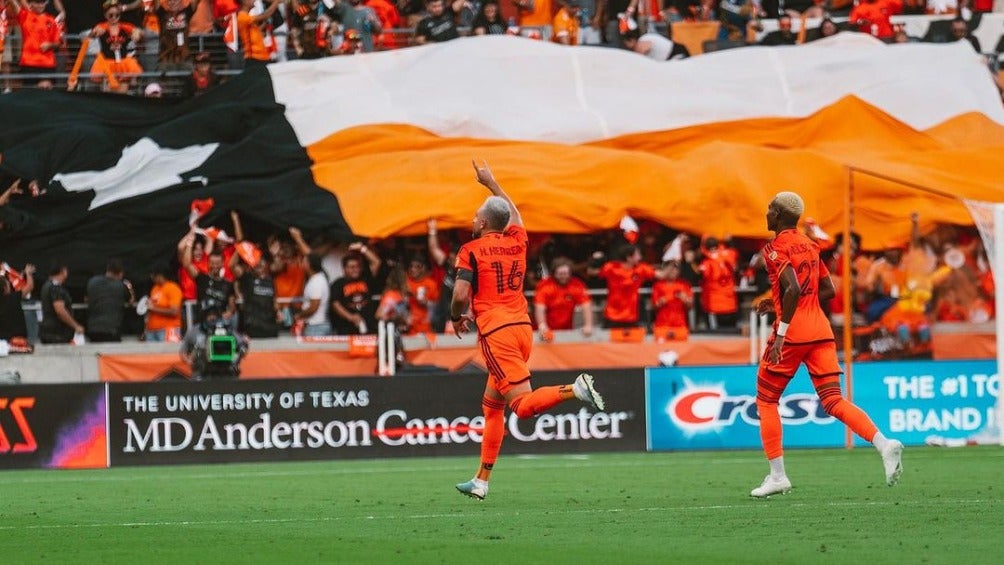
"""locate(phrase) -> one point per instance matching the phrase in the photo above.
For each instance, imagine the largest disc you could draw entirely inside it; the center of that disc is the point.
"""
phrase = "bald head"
(789, 204)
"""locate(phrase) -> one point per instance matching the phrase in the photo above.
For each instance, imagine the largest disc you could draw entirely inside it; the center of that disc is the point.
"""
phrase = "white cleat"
(892, 460)
(474, 489)
(584, 391)
(770, 486)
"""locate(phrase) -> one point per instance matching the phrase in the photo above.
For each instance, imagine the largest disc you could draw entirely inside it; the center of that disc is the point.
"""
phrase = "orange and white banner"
(582, 136)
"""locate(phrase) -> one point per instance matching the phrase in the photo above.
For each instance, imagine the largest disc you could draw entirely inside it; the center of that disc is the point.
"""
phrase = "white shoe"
(770, 486)
(474, 489)
(892, 460)
(584, 391)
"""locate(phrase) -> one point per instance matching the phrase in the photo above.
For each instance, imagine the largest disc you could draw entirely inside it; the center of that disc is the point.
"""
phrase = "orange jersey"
(672, 314)
(424, 289)
(559, 301)
(791, 248)
(289, 283)
(188, 288)
(623, 283)
(494, 264)
(875, 14)
(37, 29)
(251, 37)
(718, 284)
(167, 295)
(566, 25)
(539, 15)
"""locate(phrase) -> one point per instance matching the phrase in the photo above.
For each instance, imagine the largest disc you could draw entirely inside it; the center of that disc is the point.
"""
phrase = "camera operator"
(213, 348)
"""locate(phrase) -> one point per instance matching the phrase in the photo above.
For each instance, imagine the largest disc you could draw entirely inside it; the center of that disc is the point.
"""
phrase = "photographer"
(212, 348)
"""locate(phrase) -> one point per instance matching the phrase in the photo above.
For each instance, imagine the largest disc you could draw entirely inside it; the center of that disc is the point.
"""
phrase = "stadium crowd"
(192, 44)
(668, 283)
(643, 277)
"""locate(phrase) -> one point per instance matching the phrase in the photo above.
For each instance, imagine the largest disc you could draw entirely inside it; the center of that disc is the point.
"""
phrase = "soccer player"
(799, 283)
(490, 271)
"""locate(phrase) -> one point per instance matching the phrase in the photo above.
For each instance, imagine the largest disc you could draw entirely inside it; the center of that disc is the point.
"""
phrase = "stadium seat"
(692, 35)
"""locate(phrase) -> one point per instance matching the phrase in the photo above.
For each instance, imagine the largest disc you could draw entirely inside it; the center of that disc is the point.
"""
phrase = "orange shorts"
(127, 66)
(506, 351)
(820, 359)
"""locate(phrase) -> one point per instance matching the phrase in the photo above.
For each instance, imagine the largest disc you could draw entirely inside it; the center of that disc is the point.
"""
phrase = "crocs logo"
(709, 408)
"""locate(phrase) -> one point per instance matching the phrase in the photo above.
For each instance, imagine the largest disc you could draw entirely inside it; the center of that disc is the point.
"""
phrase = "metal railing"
(33, 309)
(225, 62)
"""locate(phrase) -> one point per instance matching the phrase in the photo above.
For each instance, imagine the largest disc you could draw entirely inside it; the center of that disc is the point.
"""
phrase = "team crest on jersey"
(772, 256)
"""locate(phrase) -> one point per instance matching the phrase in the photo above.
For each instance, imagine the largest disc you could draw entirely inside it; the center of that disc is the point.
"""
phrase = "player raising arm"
(490, 271)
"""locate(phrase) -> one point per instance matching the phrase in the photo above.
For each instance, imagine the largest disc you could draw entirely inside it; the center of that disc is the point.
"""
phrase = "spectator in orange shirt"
(671, 301)
(557, 297)
(39, 38)
(718, 285)
(289, 272)
(390, 19)
(395, 301)
(163, 319)
(535, 13)
(566, 24)
(199, 258)
(872, 16)
(424, 293)
(444, 261)
(625, 276)
(252, 39)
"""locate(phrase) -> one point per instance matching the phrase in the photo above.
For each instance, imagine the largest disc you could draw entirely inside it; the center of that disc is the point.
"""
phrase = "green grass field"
(636, 508)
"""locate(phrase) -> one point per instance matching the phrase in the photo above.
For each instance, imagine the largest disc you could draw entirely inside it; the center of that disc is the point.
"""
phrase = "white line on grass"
(573, 461)
(480, 515)
(57, 476)
(228, 474)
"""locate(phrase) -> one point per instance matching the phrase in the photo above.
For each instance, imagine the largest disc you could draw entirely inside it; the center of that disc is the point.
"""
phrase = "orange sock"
(833, 401)
(491, 436)
(539, 400)
(770, 429)
(769, 388)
